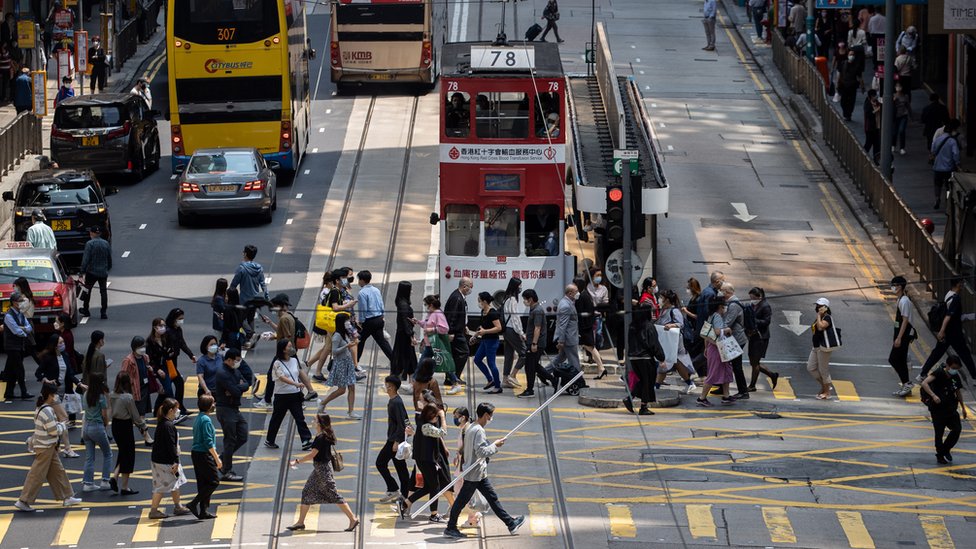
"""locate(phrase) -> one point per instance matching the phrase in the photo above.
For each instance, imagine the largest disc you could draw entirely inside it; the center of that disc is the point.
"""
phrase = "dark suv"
(106, 133)
(73, 201)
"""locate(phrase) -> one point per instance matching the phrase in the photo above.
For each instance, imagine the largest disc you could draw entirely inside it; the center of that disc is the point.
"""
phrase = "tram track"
(343, 220)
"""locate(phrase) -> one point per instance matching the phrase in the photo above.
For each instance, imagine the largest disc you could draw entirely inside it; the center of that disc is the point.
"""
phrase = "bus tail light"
(426, 55)
(176, 139)
(285, 144)
(335, 54)
(187, 187)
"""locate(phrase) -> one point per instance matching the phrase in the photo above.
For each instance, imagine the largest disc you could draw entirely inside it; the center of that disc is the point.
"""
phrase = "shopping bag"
(441, 349)
(325, 318)
(632, 380)
(706, 331)
(72, 403)
(669, 342)
(728, 349)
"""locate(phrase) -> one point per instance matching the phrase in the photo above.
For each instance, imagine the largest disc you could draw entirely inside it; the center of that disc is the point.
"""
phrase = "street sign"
(619, 155)
(615, 264)
(835, 4)
(39, 92)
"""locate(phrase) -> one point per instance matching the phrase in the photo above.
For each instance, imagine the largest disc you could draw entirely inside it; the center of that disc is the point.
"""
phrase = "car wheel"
(182, 219)
(274, 202)
(268, 216)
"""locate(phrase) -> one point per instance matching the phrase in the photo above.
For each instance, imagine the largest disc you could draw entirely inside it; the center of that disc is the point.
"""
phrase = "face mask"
(457, 421)
(894, 289)
(597, 279)
(236, 364)
(179, 323)
(526, 303)
(688, 291)
(754, 302)
(952, 371)
(61, 347)
(140, 351)
(160, 330)
(212, 349)
(576, 296)
(850, 57)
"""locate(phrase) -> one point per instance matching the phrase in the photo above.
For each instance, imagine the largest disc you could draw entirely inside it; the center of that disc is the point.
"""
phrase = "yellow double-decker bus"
(238, 77)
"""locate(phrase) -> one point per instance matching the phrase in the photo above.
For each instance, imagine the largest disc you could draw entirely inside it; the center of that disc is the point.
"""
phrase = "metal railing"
(609, 89)
(19, 138)
(920, 248)
(129, 33)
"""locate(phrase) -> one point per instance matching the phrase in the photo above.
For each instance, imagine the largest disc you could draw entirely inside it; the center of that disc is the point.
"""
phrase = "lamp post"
(887, 101)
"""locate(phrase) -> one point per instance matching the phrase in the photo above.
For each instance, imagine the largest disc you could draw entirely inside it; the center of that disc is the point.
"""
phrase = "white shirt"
(513, 320)
(145, 94)
(286, 370)
(876, 25)
(40, 235)
(905, 308)
(600, 294)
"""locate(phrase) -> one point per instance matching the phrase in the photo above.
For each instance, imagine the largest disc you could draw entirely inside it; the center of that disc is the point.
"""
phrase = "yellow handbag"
(325, 318)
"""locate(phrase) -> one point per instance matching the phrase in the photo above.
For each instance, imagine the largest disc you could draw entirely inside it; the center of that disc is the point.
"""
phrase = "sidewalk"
(912, 172)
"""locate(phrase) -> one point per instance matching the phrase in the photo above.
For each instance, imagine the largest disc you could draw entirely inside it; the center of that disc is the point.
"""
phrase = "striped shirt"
(47, 430)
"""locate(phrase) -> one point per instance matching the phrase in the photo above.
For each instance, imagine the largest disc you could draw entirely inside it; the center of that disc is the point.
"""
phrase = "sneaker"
(89, 488)
(513, 381)
(526, 394)
(113, 484)
(156, 514)
(105, 485)
(272, 445)
(905, 390)
(261, 404)
(691, 388)
(68, 502)
(390, 497)
(435, 519)
(84, 311)
(21, 506)
(180, 418)
(454, 533)
(494, 391)
(516, 524)
(318, 377)
(306, 445)
(703, 402)
(231, 476)
(455, 389)
(70, 454)
(354, 415)
(741, 396)
(311, 396)
(727, 401)
(508, 384)
(360, 377)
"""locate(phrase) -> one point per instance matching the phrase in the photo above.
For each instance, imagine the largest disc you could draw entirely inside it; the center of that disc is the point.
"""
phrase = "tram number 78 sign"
(502, 58)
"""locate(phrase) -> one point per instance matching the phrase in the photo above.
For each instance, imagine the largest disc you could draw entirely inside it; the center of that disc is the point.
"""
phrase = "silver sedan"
(228, 181)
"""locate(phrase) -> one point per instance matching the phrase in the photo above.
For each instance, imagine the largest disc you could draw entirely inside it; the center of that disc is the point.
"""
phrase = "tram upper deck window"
(541, 230)
(463, 229)
(502, 236)
(547, 114)
(502, 115)
(457, 117)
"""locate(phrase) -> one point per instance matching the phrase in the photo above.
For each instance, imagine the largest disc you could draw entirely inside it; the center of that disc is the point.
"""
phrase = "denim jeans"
(488, 349)
(95, 434)
(901, 128)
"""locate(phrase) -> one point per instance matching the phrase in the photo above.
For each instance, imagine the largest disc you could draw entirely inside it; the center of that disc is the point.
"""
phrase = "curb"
(608, 398)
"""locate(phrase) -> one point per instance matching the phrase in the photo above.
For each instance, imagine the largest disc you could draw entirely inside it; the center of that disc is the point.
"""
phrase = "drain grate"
(817, 176)
(795, 186)
(765, 91)
(758, 469)
(791, 135)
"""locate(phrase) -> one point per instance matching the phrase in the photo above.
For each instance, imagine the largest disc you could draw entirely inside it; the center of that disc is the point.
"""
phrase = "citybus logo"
(214, 65)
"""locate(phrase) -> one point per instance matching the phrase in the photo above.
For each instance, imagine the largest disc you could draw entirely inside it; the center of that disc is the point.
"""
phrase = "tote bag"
(728, 349)
(325, 318)
(441, 349)
(669, 342)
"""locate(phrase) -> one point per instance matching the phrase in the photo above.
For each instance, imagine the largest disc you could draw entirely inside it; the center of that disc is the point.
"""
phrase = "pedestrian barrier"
(135, 29)
(922, 251)
(17, 139)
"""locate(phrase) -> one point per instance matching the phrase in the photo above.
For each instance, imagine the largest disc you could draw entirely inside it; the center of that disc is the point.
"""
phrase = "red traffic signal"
(615, 194)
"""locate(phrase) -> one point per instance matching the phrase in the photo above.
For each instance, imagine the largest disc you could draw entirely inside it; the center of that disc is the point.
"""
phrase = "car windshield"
(82, 117)
(34, 270)
(223, 163)
(68, 193)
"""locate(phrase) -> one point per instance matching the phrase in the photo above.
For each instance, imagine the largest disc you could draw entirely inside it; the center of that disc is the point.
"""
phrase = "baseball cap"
(823, 301)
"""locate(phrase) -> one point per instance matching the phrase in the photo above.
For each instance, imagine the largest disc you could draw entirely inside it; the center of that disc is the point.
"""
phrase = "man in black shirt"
(456, 311)
(230, 386)
(396, 432)
(951, 334)
(943, 392)
(536, 335)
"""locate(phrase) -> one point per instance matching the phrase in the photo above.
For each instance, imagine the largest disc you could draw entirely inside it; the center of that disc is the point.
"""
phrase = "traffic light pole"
(627, 266)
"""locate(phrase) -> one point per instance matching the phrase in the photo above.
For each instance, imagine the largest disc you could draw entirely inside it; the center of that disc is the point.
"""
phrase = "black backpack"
(943, 388)
(936, 315)
(300, 330)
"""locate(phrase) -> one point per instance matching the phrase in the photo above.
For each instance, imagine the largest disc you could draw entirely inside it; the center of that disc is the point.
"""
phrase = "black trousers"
(741, 385)
(460, 351)
(14, 370)
(646, 369)
(179, 388)
(533, 369)
(550, 26)
(90, 281)
(432, 483)
(942, 419)
(898, 358)
(848, 97)
(284, 404)
(208, 478)
(373, 327)
(97, 77)
(464, 496)
(126, 442)
(383, 459)
(958, 343)
(235, 430)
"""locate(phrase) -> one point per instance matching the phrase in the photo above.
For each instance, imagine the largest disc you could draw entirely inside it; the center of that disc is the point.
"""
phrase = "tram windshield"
(502, 236)
(463, 229)
(541, 228)
(503, 115)
(547, 114)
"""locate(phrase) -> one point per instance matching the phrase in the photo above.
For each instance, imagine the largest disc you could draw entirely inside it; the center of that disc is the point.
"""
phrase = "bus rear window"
(463, 229)
(234, 99)
(225, 21)
(380, 14)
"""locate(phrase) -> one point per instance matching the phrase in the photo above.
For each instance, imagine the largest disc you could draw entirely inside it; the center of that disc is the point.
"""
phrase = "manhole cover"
(759, 470)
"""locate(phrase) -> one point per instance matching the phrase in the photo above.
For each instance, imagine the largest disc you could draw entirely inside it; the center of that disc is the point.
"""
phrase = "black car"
(73, 201)
(106, 133)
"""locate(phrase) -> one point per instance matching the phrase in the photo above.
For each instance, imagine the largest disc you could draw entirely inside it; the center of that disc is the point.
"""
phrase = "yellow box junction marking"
(540, 520)
(701, 523)
(778, 524)
(936, 532)
(784, 390)
(72, 525)
(147, 529)
(857, 533)
(226, 521)
(384, 521)
(845, 391)
(621, 521)
(311, 520)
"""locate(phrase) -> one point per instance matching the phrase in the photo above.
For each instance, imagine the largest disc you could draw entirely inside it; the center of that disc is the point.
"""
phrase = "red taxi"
(54, 291)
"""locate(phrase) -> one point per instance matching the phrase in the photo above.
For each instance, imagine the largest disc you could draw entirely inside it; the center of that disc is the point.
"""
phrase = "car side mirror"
(274, 164)
(180, 168)
(8, 195)
(109, 191)
(434, 218)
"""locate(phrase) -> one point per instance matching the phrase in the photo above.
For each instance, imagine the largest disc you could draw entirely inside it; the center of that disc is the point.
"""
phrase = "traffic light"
(615, 214)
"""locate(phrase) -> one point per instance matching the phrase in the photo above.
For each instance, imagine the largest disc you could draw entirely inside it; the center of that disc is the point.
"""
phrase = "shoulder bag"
(336, 460)
(729, 349)
(832, 339)
(30, 439)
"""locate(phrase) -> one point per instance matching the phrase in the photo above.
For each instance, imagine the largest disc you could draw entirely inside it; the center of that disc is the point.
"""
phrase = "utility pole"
(628, 263)
(811, 37)
(887, 102)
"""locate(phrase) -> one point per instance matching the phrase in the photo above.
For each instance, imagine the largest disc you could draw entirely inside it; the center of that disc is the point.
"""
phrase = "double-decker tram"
(503, 168)
(238, 77)
(386, 40)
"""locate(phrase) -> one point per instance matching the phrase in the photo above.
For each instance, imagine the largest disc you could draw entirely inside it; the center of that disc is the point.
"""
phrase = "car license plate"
(221, 188)
(61, 224)
(381, 77)
(89, 141)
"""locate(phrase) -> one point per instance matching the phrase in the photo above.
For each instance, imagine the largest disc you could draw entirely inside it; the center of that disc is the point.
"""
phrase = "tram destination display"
(502, 57)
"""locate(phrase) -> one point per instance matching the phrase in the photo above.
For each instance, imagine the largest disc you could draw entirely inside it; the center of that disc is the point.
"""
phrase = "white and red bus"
(386, 40)
(503, 169)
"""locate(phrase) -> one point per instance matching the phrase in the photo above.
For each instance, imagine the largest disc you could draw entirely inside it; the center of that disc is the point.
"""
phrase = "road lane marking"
(384, 521)
(5, 518)
(315, 150)
(701, 523)
(226, 521)
(914, 395)
(621, 521)
(670, 147)
(321, 130)
(936, 532)
(299, 195)
(125, 253)
(142, 227)
(289, 221)
(845, 391)
(778, 524)
(72, 525)
(328, 111)
(857, 533)
(279, 249)
(84, 320)
(308, 172)
(784, 389)
(540, 520)
(159, 201)
(147, 529)
(172, 177)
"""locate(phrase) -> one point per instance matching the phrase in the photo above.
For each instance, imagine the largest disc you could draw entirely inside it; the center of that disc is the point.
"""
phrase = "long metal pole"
(471, 467)
(628, 261)
(887, 103)
(811, 38)
(591, 65)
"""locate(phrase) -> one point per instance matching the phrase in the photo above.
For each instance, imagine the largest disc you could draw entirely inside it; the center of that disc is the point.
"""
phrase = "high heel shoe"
(602, 375)
(353, 526)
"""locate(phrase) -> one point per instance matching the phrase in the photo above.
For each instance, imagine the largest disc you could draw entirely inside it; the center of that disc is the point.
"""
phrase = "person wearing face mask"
(903, 113)
(136, 366)
(125, 415)
(16, 340)
(95, 361)
(157, 350)
(944, 158)
(851, 79)
(456, 311)
(536, 330)
(759, 339)
(434, 328)
(55, 369)
(601, 300)
(230, 385)
(586, 312)
(397, 429)
(487, 334)
(942, 393)
(175, 343)
(567, 329)
(904, 335)
(141, 89)
(818, 364)
(208, 365)
(514, 334)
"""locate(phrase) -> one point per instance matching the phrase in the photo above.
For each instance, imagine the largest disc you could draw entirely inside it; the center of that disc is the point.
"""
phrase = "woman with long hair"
(404, 341)
(426, 447)
(175, 342)
(95, 361)
(672, 319)
(288, 398)
(648, 297)
(424, 381)
(54, 368)
(693, 290)
(218, 304)
(586, 313)
(514, 334)
(329, 296)
(488, 332)
(233, 330)
(27, 309)
(434, 325)
(157, 349)
(167, 473)
(343, 374)
(759, 340)
(96, 421)
(125, 415)
(46, 465)
(321, 487)
(142, 377)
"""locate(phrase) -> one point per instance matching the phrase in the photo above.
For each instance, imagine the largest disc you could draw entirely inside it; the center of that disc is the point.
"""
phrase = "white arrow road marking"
(793, 322)
(743, 212)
